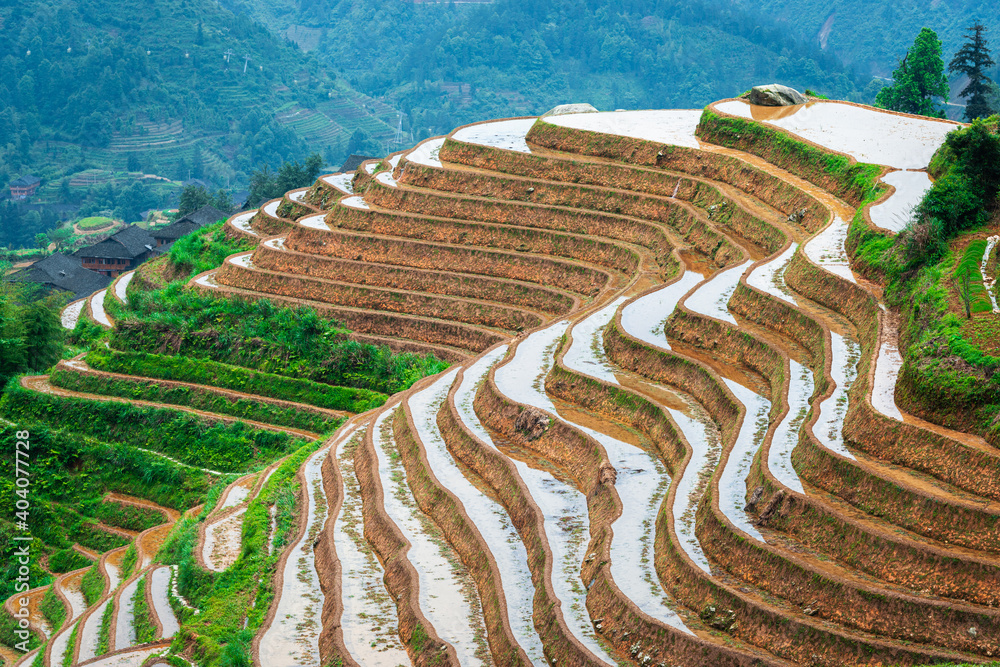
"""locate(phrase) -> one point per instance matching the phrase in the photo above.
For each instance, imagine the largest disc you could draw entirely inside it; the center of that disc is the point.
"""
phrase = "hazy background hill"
(872, 36)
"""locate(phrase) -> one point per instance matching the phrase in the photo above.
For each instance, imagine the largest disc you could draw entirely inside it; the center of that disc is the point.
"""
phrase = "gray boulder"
(776, 95)
(565, 109)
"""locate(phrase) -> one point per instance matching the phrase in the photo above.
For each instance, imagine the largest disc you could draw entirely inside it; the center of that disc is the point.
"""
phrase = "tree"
(918, 80)
(42, 241)
(972, 60)
(194, 197)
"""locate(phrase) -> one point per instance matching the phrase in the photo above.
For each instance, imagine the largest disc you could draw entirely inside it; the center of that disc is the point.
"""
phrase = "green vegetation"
(67, 656)
(31, 336)
(968, 276)
(918, 80)
(145, 630)
(53, 608)
(194, 197)
(72, 474)
(92, 584)
(104, 634)
(266, 185)
(197, 442)
(215, 374)
(967, 169)
(205, 249)
(94, 223)
(234, 603)
(129, 517)
(262, 336)
(129, 560)
(972, 60)
(67, 560)
(258, 411)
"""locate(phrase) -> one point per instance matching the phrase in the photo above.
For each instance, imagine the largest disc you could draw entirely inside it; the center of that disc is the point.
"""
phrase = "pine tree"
(972, 60)
(918, 79)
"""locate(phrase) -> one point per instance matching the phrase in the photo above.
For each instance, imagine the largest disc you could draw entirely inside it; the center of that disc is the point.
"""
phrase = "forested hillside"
(873, 36)
(96, 96)
(456, 63)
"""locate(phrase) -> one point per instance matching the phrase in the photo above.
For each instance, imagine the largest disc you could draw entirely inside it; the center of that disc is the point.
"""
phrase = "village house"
(119, 252)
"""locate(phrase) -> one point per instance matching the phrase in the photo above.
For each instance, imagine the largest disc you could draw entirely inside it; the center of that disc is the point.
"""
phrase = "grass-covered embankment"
(195, 441)
(196, 398)
(226, 376)
(235, 603)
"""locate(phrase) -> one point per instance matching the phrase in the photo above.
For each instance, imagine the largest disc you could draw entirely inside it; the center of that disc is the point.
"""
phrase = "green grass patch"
(104, 634)
(259, 411)
(195, 441)
(52, 608)
(92, 585)
(145, 629)
(129, 517)
(205, 249)
(226, 376)
(67, 560)
(94, 223)
(293, 342)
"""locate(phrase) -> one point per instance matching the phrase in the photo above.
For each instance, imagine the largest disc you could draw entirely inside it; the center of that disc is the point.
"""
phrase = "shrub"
(216, 374)
(192, 440)
(52, 608)
(67, 560)
(198, 399)
(205, 249)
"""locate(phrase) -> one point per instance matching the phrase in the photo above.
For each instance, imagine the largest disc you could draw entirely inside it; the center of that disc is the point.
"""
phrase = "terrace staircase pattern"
(660, 441)
(649, 361)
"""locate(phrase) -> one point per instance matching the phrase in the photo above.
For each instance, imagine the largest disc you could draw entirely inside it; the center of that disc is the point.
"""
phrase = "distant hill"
(452, 63)
(872, 35)
(94, 94)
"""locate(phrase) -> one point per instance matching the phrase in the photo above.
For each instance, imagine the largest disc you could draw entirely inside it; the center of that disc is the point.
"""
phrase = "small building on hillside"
(24, 187)
(63, 273)
(119, 252)
(192, 222)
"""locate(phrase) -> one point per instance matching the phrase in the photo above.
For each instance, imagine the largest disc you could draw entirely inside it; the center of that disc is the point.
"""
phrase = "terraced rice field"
(669, 433)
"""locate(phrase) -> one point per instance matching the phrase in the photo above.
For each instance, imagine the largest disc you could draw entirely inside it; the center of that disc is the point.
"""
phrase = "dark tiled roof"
(176, 230)
(25, 182)
(126, 244)
(65, 273)
(354, 162)
(206, 215)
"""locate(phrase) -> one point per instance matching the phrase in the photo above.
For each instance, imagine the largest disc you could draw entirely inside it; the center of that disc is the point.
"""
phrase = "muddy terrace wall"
(668, 212)
(292, 210)
(499, 474)
(331, 638)
(354, 296)
(449, 515)
(267, 225)
(903, 617)
(785, 637)
(496, 234)
(631, 178)
(771, 190)
(401, 578)
(562, 274)
(464, 339)
(535, 297)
